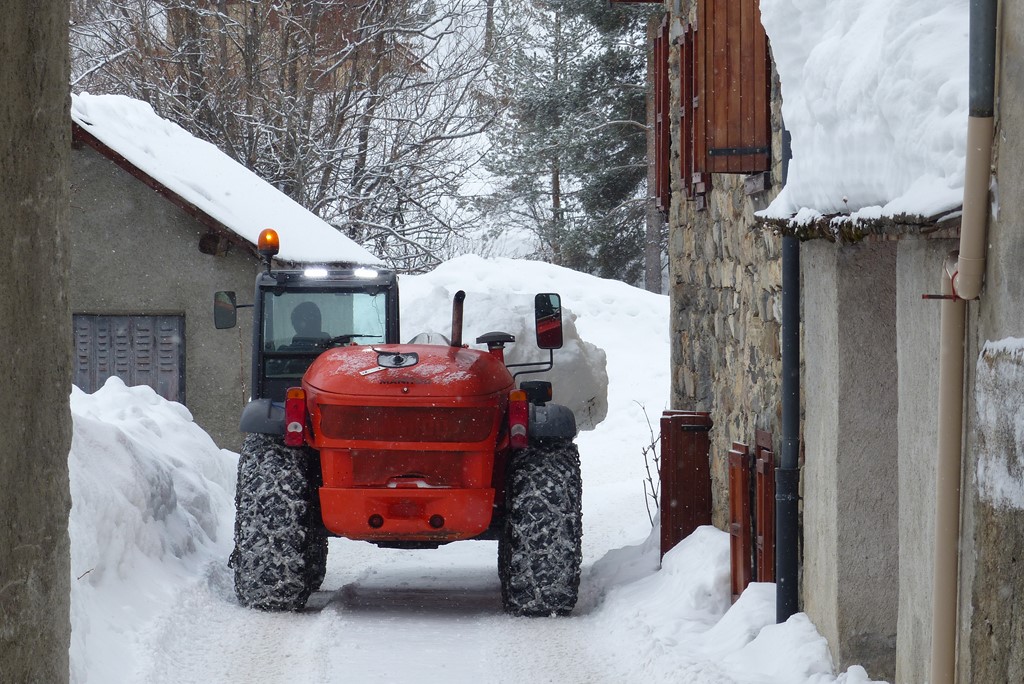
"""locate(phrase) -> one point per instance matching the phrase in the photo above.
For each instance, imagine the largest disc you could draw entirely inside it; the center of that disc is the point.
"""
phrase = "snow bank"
(623, 335)
(499, 298)
(680, 623)
(152, 503)
(874, 93)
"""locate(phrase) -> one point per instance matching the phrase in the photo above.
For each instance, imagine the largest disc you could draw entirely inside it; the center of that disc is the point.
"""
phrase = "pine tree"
(570, 152)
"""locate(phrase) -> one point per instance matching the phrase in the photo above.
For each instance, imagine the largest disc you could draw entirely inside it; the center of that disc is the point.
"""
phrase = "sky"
(152, 519)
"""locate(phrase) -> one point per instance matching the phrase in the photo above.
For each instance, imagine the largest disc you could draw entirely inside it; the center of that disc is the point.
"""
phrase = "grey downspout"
(962, 280)
(787, 475)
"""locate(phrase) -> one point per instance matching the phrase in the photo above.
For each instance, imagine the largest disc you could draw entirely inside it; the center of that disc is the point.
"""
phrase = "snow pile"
(500, 298)
(152, 505)
(211, 180)
(683, 625)
(874, 93)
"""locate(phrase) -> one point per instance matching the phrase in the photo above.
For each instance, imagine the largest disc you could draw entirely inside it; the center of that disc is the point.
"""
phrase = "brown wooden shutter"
(685, 475)
(733, 88)
(764, 514)
(662, 126)
(740, 533)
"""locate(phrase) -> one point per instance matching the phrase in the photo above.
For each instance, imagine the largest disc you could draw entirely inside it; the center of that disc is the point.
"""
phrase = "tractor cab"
(299, 314)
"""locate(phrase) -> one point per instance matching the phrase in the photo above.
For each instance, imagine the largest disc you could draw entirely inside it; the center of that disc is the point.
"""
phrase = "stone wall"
(725, 284)
(726, 322)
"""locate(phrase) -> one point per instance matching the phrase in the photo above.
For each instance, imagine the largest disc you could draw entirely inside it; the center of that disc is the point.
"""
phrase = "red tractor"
(351, 434)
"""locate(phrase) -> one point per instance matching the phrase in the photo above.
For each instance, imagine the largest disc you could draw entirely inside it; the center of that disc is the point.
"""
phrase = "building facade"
(870, 350)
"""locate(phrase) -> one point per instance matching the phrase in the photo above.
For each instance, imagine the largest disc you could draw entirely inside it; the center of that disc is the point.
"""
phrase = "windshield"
(308, 322)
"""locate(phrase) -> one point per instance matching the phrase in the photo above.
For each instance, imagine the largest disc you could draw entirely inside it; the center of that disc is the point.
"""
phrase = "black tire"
(280, 551)
(539, 551)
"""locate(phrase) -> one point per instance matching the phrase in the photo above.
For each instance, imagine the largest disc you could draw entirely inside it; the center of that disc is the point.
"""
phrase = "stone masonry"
(725, 291)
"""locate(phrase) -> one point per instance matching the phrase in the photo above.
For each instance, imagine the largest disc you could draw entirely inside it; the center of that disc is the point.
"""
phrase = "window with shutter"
(141, 350)
(732, 87)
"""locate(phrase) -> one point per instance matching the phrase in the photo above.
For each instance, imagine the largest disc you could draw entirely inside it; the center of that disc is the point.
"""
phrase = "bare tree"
(367, 112)
(35, 334)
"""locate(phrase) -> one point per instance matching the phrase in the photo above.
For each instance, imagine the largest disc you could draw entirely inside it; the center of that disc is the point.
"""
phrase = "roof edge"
(81, 136)
(841, 228)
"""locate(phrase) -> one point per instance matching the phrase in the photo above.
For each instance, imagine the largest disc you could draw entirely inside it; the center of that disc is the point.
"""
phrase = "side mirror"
(548, 313)
(225, 307)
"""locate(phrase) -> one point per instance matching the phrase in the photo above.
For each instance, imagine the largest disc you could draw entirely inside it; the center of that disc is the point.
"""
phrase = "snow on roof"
(874, 93)
(219, 186)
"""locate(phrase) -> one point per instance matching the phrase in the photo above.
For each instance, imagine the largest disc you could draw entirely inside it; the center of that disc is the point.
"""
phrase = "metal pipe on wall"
(787, 475)
(947, 481)
(962, 280)
(981, 110)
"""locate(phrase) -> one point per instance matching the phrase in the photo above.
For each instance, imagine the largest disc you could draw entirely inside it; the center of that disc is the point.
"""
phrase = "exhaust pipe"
(460, 297)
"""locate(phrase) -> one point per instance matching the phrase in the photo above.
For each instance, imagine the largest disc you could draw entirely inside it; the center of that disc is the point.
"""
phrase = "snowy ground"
(151, 527)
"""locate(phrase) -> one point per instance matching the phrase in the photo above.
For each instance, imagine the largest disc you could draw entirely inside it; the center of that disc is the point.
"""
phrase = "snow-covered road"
(382, 616)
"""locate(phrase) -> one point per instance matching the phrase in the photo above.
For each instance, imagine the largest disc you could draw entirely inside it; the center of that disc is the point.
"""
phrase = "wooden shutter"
(685, 475)
(695, 183)
(740, 534)
(764, 514)
(732, 87)
(141, 350)
(662, 126)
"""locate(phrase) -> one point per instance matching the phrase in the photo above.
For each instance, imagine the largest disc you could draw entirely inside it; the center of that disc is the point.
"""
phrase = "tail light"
(518, 419)
(294, 416)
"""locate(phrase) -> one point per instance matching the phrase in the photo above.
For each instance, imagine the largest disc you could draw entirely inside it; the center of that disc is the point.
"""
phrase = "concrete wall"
(992, 541)
(919, 271)
(850, 474)
(35, 336)
(133, 252)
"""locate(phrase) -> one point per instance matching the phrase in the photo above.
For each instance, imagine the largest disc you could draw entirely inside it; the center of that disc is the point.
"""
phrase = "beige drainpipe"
(947, 482)
(970, 267)
(962, 280)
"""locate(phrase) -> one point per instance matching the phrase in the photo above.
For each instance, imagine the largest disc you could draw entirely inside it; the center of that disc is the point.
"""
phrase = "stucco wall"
(35, 336)
(820, 482)
(850, 472)
(133, 252)
(919, 271)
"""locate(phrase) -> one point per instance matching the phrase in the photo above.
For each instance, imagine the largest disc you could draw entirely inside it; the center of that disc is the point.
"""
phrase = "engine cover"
(412, 370)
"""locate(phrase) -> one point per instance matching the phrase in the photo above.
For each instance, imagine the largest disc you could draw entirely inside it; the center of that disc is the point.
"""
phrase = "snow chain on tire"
(280, 551)
(539, 552)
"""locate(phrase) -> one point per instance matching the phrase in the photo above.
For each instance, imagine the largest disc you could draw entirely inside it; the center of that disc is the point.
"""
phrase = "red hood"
(437, 370)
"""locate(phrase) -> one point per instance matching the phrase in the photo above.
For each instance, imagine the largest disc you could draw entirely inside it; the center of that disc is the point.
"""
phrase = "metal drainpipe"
(962, 280)
(787, 475)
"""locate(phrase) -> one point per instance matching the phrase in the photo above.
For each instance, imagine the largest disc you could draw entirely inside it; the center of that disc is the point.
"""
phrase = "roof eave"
(81, 136)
